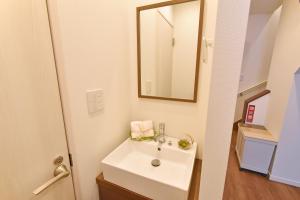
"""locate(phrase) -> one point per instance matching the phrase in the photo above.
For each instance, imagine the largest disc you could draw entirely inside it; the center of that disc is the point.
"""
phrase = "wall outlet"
(95, 100)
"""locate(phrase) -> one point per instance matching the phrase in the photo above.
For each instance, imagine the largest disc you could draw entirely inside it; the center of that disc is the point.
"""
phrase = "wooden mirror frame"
(200, 29)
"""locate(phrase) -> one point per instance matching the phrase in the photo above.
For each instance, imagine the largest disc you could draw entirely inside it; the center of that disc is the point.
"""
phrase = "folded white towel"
(141, 129)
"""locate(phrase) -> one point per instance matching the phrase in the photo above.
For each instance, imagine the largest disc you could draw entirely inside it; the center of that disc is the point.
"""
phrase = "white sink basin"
(129, 166)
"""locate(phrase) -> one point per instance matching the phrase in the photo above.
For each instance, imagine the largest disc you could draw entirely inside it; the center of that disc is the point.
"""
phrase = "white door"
(32, 131)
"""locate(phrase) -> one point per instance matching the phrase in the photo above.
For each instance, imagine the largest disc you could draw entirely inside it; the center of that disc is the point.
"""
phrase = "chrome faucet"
(161, 133)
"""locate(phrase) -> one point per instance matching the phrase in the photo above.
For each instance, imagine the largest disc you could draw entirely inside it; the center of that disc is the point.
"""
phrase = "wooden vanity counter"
(110, 191)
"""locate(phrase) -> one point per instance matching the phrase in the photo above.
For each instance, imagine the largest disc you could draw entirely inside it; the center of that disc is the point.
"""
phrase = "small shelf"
(255, 148)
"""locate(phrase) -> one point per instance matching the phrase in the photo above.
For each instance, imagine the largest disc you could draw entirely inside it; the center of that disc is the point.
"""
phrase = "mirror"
(169, 45)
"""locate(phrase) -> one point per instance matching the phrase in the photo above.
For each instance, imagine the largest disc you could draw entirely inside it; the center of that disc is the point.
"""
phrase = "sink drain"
(155, 162)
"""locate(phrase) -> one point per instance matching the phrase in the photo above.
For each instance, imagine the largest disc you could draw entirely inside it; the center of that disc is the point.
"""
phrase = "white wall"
(91, 43)
(283, 114)
(180, 118)
(148, 51)
(285, 62)
(287, 164)
(229, 40)
(261, 34)
(186, 23)
(261, 106)
(164, 57)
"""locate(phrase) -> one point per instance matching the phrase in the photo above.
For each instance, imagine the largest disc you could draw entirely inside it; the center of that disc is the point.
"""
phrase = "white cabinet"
(255, 149)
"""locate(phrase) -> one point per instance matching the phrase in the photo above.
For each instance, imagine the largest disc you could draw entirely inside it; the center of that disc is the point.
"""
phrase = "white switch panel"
(95, 100)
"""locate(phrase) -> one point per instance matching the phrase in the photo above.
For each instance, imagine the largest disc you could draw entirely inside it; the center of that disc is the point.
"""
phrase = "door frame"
(71, 158)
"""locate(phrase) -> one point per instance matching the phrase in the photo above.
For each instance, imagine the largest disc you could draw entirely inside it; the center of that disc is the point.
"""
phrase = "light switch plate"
(95, 100)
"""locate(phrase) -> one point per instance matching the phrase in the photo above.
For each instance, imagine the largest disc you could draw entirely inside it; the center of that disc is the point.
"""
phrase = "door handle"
(60, 172)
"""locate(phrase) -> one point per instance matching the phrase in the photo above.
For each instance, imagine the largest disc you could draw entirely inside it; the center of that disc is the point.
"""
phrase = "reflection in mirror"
(168, 49)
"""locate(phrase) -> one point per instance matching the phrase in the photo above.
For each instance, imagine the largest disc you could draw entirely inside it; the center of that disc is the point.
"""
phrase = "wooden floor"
(245, 185)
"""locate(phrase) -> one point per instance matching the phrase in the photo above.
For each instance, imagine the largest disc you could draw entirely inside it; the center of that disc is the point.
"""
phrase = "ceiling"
(264, 6)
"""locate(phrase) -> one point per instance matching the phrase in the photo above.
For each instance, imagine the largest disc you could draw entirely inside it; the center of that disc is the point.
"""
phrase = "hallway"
(244, 185)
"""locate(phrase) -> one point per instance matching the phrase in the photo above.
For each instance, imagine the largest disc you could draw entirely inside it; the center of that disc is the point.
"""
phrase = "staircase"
(255, 109)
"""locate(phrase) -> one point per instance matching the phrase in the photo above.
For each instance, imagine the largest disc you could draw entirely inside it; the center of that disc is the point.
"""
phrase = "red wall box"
(250, 113)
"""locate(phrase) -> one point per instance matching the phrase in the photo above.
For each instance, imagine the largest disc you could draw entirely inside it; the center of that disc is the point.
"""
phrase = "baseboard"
(254, 169)
(284, 180)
